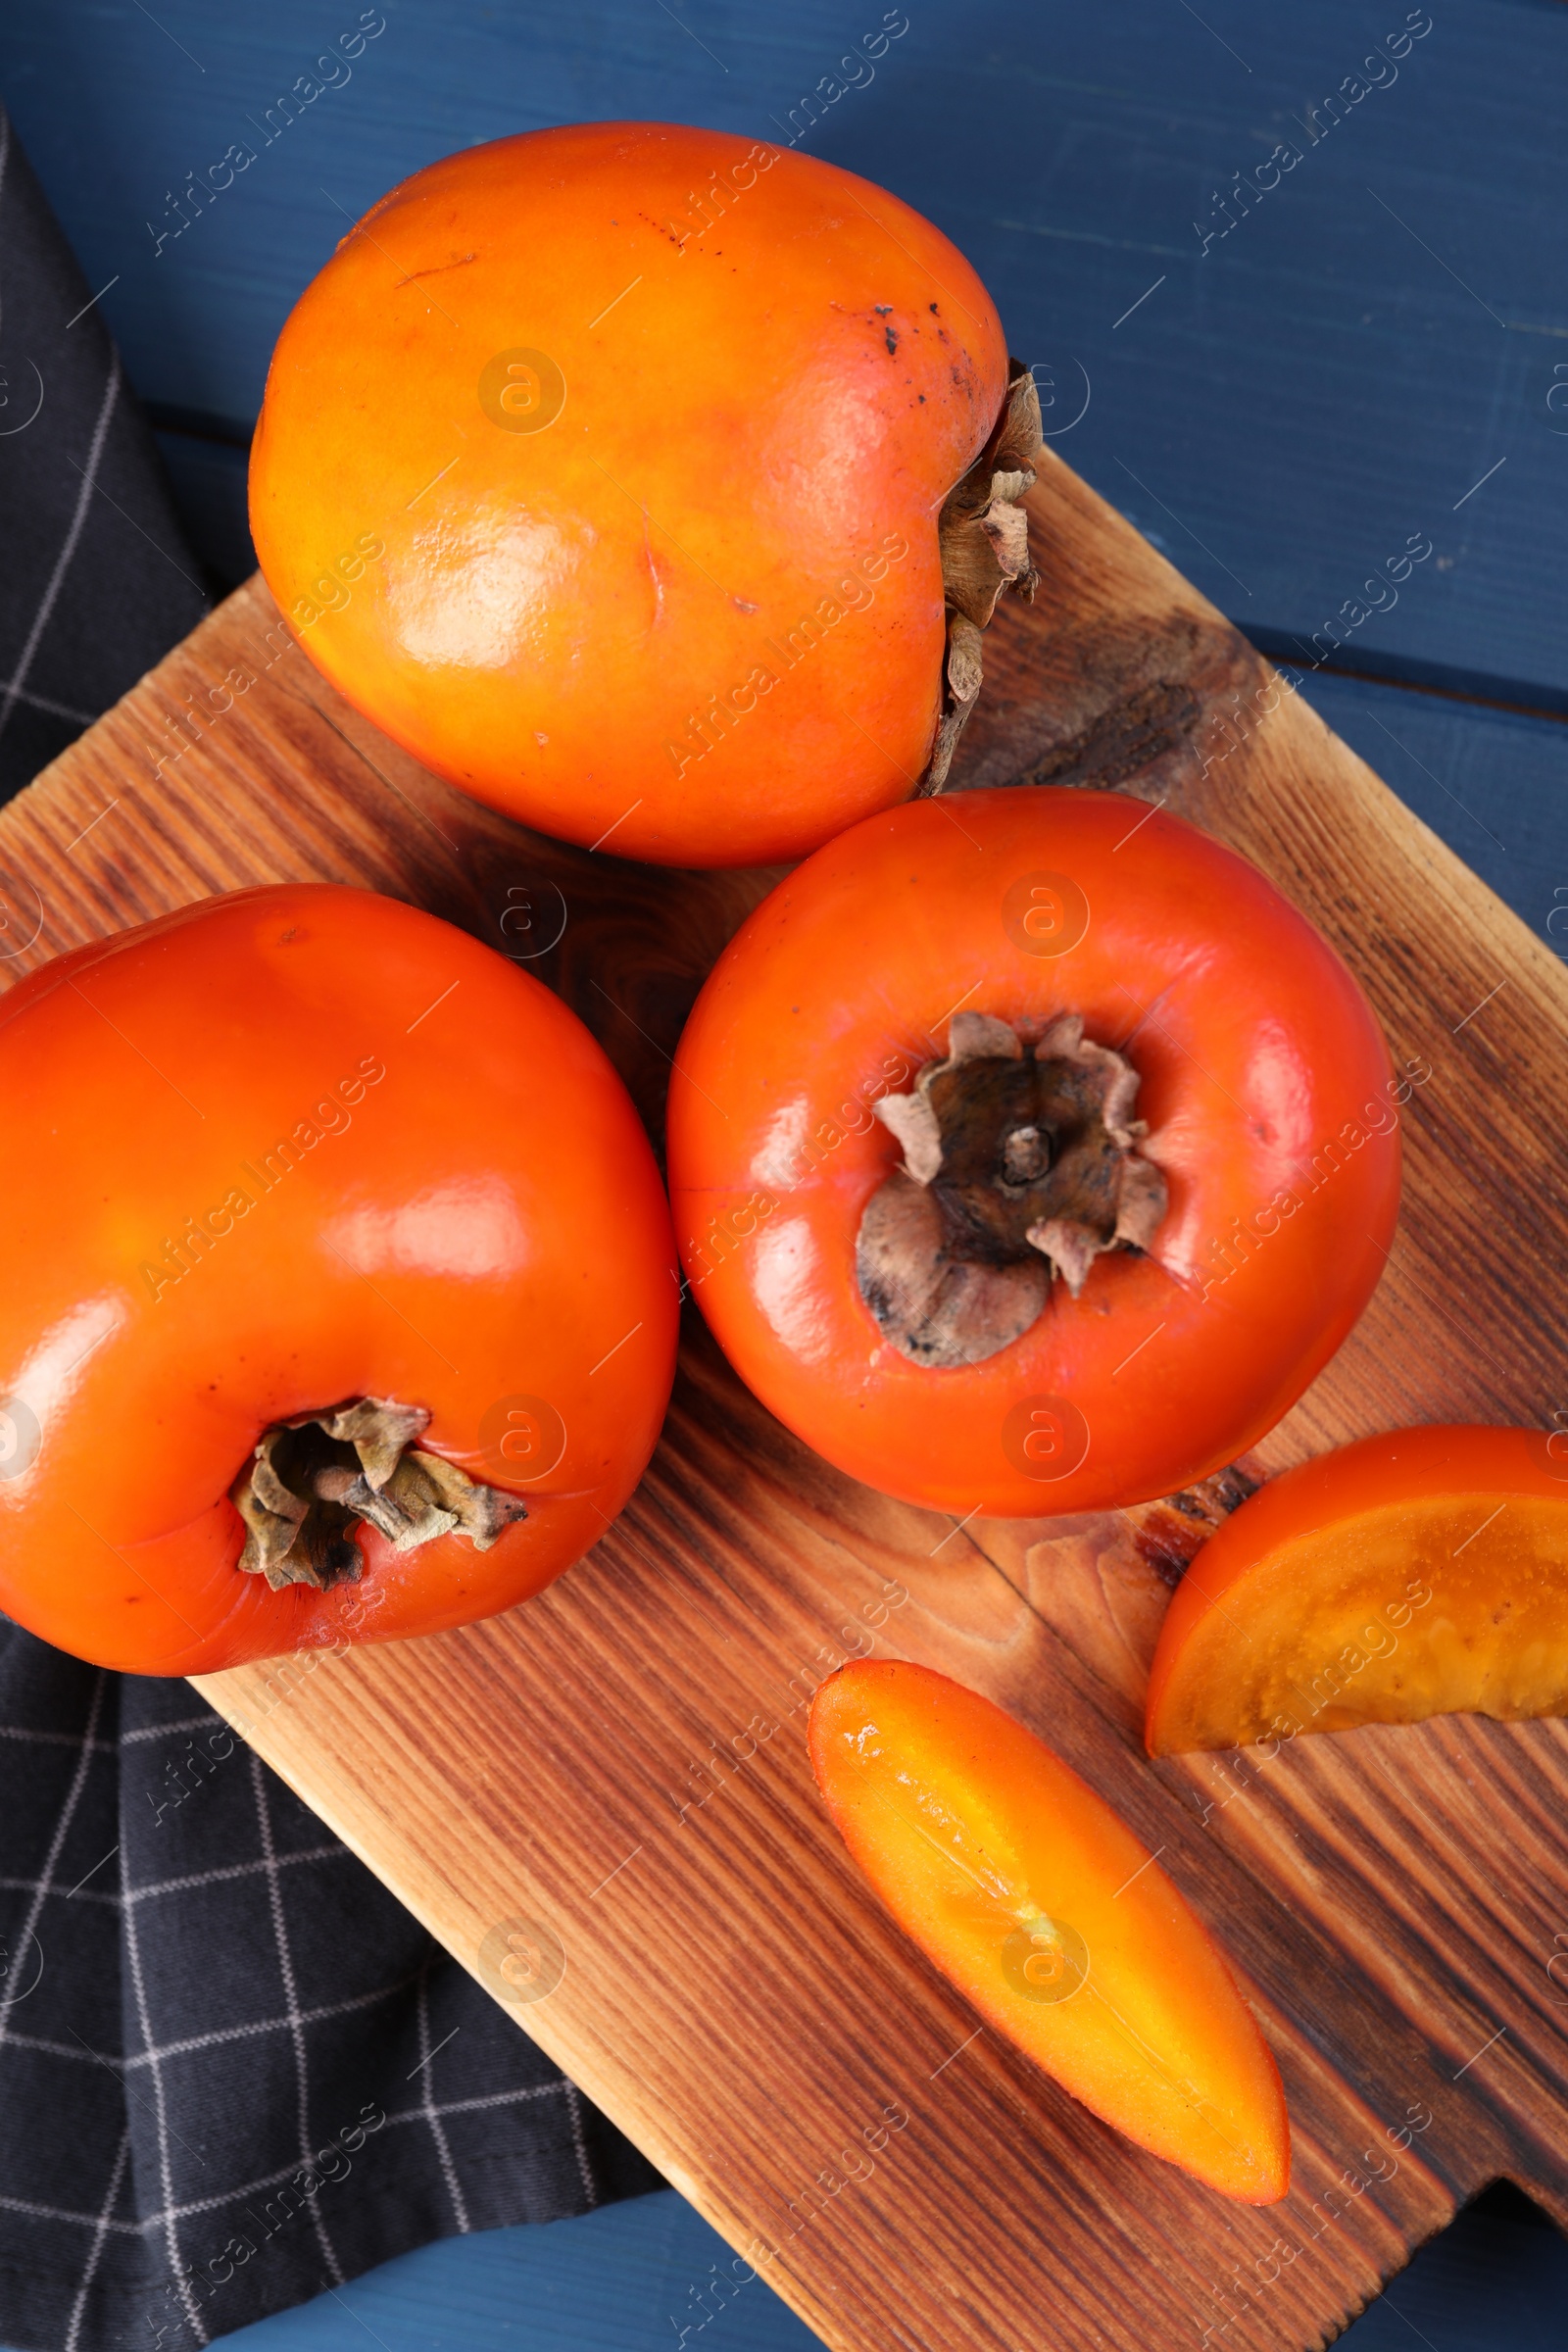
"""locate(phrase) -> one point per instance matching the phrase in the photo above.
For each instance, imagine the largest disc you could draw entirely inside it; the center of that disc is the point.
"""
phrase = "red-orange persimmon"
(1149, 1155)
(306, 1151)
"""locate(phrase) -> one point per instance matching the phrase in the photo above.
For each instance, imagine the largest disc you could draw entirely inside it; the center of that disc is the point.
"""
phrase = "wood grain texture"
(623, 1763)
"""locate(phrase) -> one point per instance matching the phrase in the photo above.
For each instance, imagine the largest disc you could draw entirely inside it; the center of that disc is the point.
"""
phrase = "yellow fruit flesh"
(1456, 1604)
(1045, 1911)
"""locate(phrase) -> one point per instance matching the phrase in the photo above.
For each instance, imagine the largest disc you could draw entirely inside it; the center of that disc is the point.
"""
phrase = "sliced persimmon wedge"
(1424, 1572)
(1029, 1893)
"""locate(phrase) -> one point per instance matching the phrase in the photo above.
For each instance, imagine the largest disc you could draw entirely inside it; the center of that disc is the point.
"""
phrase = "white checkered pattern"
(210, 2007)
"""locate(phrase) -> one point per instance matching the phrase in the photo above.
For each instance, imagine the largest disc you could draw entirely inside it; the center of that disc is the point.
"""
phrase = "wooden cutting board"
(600, 1803)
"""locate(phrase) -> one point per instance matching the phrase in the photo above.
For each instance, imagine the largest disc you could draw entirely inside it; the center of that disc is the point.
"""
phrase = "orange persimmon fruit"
(1038, 1903)
(1030, 1153)
(602, 465)
(1422, 1571)
(340, 1297)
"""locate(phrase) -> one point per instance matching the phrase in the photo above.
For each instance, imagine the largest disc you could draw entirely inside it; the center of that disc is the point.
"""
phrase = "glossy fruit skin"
(1133, 2009)
(1256, 1051)
(1420, 1572)
(759, 375)
(477, 1222)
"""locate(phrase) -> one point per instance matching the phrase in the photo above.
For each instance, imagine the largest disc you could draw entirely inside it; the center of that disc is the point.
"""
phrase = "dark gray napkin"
(233, 2071)
(95, 581)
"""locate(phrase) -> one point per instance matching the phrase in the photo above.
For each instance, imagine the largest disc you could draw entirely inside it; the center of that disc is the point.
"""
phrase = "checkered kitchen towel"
(233, 2071)
(95, 581)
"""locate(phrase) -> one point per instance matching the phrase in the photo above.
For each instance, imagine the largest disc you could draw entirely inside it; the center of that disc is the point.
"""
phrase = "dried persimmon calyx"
(313, 1480)
(983, 535)
(1022, 1164)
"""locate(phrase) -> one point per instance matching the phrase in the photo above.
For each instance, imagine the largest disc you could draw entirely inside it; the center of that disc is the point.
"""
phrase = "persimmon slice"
(1024, 1887)
(1424, 1572)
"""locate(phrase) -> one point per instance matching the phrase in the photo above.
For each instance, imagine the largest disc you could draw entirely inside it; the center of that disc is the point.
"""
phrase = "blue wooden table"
(1292, 284)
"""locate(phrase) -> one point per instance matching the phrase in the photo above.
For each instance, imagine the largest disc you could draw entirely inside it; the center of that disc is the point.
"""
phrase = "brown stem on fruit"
(1020, 1163)
(312, 1480)
(984, 539)
(1169, 1534)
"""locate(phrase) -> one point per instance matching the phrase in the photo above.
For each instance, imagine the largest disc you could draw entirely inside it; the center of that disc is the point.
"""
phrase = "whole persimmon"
(607, 469)
(1030, 1153)
(340, 1299)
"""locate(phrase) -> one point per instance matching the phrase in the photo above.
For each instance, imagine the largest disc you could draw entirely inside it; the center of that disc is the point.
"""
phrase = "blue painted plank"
(1281, 409)
(1496, 2281)
(1493, 784)
(630, 2277)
